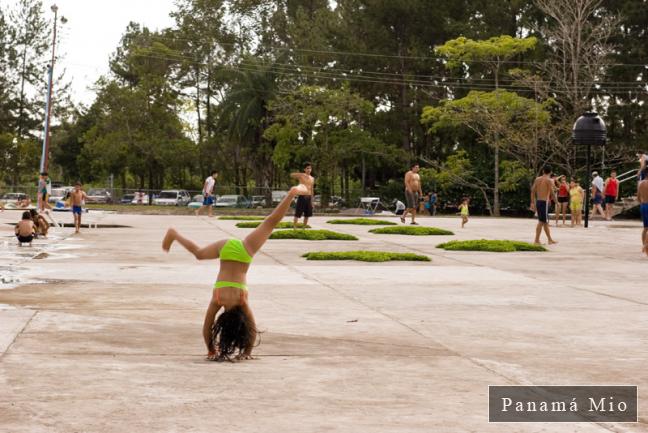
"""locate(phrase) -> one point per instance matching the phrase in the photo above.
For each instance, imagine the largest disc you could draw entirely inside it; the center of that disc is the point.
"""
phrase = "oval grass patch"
(494, 246)
(411, 231)
(281, 225)
(242, 218)
(366, 256)
(362, 222)
(312, 235)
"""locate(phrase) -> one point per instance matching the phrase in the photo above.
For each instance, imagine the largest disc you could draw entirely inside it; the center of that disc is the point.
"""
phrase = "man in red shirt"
(611, 194)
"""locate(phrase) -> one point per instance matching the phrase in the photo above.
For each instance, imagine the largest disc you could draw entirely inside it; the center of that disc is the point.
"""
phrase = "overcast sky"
(93, 31)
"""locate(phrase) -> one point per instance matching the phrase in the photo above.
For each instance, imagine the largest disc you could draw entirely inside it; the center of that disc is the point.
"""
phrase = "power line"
(394, 56)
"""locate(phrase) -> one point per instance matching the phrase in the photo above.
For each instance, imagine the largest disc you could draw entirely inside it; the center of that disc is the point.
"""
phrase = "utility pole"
(48, 101)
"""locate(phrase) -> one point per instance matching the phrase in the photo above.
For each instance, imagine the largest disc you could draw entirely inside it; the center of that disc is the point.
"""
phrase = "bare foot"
(645, 249)
(243, 357)
(551, 242)
(168, 239)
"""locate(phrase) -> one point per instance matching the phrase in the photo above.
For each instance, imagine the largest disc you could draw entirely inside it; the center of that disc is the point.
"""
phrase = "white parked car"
(232, 201)
(277, 196)
(173, 197)
(59, 194)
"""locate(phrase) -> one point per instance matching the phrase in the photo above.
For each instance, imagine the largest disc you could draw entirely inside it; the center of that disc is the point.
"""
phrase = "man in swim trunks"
(77, 197)
(642, 196)
(207, 191)
(304, 204)
(597, 194)
(413, 192)
(540, 195)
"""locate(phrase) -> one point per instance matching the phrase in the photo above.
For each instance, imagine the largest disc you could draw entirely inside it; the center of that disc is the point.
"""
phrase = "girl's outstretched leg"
(255, 240)
(210, 252)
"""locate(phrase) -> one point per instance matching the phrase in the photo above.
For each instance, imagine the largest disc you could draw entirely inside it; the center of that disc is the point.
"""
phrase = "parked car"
(127, 199)
(98, 195)
(232, 201)
(277, 196)
(173, 197)
(141, 197)
(258, 201)
(13, 197)
(59, 194)
(334, 201)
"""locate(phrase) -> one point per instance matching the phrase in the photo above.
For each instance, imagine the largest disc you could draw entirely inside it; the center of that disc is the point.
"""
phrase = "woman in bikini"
(234, 333)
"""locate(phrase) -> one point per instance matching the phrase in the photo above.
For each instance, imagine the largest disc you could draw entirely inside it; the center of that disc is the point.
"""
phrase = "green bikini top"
(234, 251)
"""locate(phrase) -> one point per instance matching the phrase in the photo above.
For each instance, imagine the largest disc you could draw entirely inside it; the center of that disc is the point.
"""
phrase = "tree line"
(482, 93)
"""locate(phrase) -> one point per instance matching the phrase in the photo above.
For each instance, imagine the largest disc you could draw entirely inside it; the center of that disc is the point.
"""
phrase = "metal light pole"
(589, 130)
(48, 101)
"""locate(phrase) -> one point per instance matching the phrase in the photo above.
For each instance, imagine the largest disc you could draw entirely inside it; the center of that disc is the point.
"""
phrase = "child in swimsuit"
(576, 199)
(234, 332)
(463, 210)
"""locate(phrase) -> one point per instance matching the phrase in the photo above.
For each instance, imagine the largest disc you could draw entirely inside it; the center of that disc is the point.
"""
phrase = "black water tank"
(589, 129)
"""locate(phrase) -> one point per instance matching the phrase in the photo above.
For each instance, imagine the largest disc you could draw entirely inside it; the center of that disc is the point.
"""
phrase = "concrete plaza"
(101, 332)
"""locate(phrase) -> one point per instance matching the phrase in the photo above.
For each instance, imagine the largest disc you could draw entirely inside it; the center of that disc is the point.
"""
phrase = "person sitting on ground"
(234, 332)
(400, 207)
(25, 229)
(41, 226)
(23, 203)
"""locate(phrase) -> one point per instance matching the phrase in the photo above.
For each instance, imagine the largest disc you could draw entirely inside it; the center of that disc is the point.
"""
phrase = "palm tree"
(244, 113)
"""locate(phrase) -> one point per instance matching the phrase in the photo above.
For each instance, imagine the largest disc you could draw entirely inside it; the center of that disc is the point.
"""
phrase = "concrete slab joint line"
(18, 334)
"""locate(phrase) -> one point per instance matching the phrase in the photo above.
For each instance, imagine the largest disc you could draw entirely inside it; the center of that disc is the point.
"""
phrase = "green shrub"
(411, 230)
(312, 235)
(363, 222)
(495, 246)
(366, 256)
(242, 218)
(281, 225)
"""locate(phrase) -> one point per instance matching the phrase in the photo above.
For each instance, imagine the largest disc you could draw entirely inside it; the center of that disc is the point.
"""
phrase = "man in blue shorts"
(208, 197)
(642, 196)
(77, 197)
(540, 195)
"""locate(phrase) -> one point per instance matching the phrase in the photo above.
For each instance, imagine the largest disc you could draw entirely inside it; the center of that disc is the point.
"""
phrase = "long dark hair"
(232, 333)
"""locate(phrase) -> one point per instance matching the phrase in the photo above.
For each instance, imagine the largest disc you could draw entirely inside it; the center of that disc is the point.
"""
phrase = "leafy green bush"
(281, 225)
(312, 235)
(495, 246)
(366, 256)
(242, 218)
(363, 222)
(411, 230)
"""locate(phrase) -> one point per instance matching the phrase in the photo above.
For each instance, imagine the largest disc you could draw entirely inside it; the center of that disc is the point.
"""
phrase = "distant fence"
(255, 196)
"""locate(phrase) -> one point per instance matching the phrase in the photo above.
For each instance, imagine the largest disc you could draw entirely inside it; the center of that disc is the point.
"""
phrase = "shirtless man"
(304, 204)
(413, 192)
(77, 196)
(642, 196)
(540, 196)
